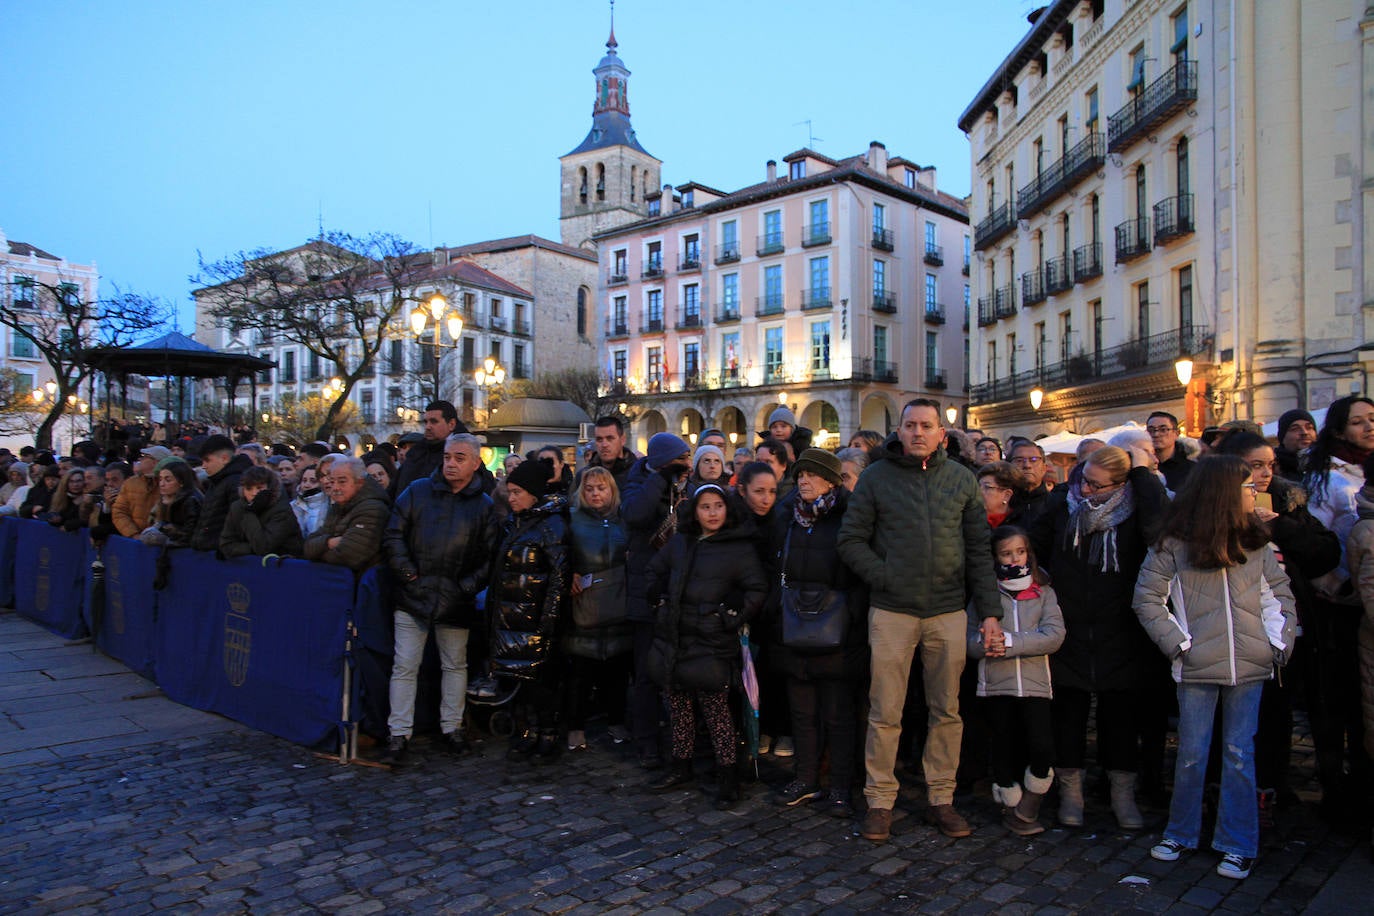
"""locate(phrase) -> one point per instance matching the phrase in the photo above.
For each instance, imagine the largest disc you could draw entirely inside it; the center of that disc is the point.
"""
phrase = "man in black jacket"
(611, 452)
(224, 468)
(439, 543)
(426, 457)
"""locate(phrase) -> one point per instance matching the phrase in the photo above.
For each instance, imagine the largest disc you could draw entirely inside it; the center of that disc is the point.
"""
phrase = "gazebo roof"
(174, 355)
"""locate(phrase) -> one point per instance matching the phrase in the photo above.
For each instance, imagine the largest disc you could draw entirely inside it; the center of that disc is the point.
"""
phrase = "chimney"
(772, 171)
(439, 257)
(926, 177)
(877, 157)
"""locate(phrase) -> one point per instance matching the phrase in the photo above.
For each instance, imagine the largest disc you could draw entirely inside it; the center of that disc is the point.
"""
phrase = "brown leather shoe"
(877, 825)
(948, 821)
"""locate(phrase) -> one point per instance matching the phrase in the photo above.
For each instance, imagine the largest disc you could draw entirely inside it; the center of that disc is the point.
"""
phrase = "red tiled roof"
(24, 250)
(522, 241)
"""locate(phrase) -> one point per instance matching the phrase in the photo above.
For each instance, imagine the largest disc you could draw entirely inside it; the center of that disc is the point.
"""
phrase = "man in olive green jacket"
(917, 533)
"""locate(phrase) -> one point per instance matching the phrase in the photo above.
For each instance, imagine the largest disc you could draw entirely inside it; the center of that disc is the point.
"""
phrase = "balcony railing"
(287, 377)
(1004, 301)
(1033, 287)
(884, 302)
(935, 313)
(986, 314)
(935, 255)
(728, 312)
(617, 275)
(651, 326)
(520, 370)
(1132, 239)
(1081, 160)
(689, 261)
(769, 243)
(727, 253)
(816, 234)
(768, 305)
(882, 239)
(497, 322)
(1087, 262)
(995, 225)
(817, 297)
(1058, 275)
(521, 326)
(1147, 353)
(1174, 91)
(1173, 218)
(935, 379)
(654, 268)
(689, 318)
(617, 327)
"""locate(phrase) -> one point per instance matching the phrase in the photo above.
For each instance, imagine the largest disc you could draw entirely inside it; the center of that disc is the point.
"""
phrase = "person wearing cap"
(714, 437)
(821, 685)
(529, 585)
(653, 488)
(916, 532)
(1297, 431)
(133, 507)
(223, 466)
(782, 425)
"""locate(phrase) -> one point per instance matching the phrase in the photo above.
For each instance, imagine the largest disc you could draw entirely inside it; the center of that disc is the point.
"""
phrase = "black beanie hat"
(1288, 418)
(532, 476)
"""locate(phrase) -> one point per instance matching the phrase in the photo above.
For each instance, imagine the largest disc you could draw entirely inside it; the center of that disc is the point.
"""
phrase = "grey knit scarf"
(1093, 527)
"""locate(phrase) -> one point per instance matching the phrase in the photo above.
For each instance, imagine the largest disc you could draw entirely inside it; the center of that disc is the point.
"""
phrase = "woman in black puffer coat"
(713, 583)
(822, 685)
(529, 585)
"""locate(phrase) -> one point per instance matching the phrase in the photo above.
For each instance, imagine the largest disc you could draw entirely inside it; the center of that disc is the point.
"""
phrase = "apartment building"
(1169, 212)
(837, 287)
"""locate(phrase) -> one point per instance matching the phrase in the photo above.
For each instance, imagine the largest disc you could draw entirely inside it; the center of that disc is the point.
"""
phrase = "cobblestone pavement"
(234, 821)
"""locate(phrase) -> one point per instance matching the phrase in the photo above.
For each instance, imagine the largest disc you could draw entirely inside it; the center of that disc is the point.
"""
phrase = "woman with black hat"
(822, 681)
(529, 583)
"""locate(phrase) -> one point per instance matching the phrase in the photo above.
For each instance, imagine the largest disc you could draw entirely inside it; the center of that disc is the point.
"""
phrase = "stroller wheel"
(501, 724)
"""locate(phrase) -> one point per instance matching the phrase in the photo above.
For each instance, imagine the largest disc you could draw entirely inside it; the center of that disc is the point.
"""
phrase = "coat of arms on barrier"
(43, 581)
(114, 589)
(238, 633)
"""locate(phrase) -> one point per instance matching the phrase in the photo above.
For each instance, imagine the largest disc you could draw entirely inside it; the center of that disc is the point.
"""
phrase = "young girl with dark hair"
(1014, 676)
(713, 583)
(1213, 597)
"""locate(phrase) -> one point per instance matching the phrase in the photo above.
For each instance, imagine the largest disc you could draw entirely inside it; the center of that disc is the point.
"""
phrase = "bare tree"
(63, 327)
(580, 386)
(339, 297)
(295, 419)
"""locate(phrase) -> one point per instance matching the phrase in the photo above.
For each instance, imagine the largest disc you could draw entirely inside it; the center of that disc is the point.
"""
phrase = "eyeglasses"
(1027, 459)
(1098, 487)
(1158, 430)
(993, 488)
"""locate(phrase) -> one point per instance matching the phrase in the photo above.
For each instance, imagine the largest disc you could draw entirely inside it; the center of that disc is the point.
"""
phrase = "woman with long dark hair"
(1215, 600)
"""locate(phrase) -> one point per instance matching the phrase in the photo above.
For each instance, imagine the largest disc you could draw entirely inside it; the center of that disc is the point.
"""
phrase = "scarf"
(1349, 453)
(806, 513)
(1014, 580)
(1093, 527)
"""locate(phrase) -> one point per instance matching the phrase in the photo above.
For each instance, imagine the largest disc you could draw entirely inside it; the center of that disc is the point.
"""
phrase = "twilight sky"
(137, 133)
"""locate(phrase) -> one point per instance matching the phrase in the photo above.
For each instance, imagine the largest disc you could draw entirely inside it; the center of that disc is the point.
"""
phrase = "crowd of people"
(935, 597)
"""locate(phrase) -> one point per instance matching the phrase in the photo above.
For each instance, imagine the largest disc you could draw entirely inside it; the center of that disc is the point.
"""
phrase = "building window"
(932, 351)
(909, 178)
(1090, 123)
(691, 304)
(1185, 297)
(1179, 48)
(820, 346)
(1137, 64)
(468, 355)
(691, 362)
(931, 298)
(772, 355)
(880, 346)
(1041, 341)
(729, 355)
(772, 285)
(581, 312)
(634, 174)
(691, 251)
(369, 406)
(619, 316)
(496, 350)
(879, 278)
(772, 229)
(1096, 217)
(931, 238)
(820, 278)
(495, 307)
(655, 206)
(654, 367)
(618, 359)
(22, 347)
(1142, 310)
(654, 309)
(600, 181)
(619, 264)
(1095, 309)
(879, 218)
(729, 238)
(729, 294)
(653, 261)
(24, 295)
(265, 375)
(1011, 354)
(1038, 155)
(992, 360)
(1181, 166)
(582, 185)
(796, 169)
(1065, 335)
(689, 199)
(1064, 142)
(819, 230)
(518, 367)
(288, 366)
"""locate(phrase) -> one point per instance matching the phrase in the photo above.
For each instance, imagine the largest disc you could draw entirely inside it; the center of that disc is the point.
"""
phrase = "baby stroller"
(491, 704)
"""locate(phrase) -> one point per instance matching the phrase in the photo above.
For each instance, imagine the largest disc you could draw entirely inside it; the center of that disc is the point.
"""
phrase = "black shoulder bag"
(814, 618)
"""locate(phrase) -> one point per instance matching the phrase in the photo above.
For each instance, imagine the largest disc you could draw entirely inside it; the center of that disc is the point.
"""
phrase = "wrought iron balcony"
(771, 304)
(770, 243)
(935, 380)
(818, 297)
(995, 225)
(1058, 275)
(727, 253)
(652, 326)
(935, 313)
(986, 314)
(689, 318)
(1132, 239)
(935, 255)
(521, 326)
(497, 322)
(1148, 353)
(1087, 262)
(1004, 301)
(617, 275)
(727, 313)
(520, 370)
(689, 261)
(617, 327)
(653, 268)
(816, 234)
(882, 239)
(884, 302)
(1174, 91)
(1081, 160)
(1173, 218)
(1033, 287)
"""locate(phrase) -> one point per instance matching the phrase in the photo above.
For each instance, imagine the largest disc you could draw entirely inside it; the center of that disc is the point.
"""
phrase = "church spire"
(611, 108)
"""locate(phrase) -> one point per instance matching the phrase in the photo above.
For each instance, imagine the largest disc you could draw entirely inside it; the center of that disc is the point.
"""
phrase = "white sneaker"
(784, 747)
(1167, 850)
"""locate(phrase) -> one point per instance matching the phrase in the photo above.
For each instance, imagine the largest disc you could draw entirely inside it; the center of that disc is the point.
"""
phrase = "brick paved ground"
(234, 821)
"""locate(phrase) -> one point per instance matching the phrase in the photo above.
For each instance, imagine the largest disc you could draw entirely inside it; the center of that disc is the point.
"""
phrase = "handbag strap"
(786, 548)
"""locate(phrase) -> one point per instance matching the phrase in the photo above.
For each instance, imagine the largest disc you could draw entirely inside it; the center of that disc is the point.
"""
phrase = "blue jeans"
(1237, 828)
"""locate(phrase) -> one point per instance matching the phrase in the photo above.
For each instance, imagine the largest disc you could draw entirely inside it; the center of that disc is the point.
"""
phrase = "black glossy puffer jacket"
(439, 544)
(529, 582)
(713, 586)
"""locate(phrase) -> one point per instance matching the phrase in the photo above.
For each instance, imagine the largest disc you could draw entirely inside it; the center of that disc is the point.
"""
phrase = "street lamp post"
(437, 310)
(488, 376)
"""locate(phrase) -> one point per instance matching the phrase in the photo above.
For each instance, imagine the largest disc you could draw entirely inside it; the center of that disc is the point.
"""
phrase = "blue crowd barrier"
(123, 615)
(263, 645)
(51, 590)
(9, 542)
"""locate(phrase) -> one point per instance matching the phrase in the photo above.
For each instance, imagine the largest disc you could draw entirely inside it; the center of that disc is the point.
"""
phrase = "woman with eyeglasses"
(1092, 538)
(997, 483)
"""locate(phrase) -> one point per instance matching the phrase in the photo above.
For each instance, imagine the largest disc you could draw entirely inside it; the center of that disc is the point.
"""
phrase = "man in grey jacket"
(917, 532)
